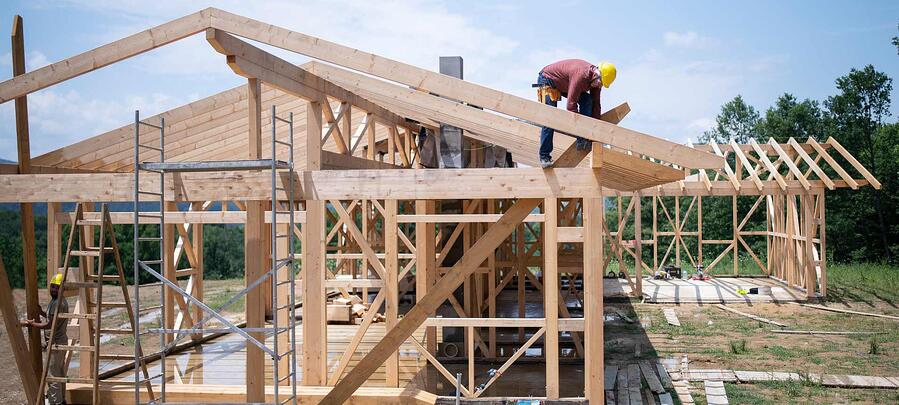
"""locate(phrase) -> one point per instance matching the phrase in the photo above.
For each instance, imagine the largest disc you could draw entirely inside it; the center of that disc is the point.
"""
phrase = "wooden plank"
(457, 89)
(315, 333)
(634, 385)
(428, 304)
(671, 316)
(571, 234)
(623, 392)
(665, 378)
(811, 163)
(750, 316)
(609, 381)
(715, 393)
(833, 163)
(847, 311)
(201, 393)
(824, 332)
(652, 380)
(391, 283)
(21, 353)
(460, 218)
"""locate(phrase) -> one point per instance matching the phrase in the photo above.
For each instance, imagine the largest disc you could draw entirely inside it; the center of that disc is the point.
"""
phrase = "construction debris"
(715, 393)
(671, 317)
(750, 316)
(822, 332)
(848, 311)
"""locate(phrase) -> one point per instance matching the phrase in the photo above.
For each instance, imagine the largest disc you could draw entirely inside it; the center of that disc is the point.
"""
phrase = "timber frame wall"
(374, 223)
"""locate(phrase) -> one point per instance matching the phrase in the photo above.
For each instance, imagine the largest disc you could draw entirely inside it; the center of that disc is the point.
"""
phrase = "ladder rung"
(69, 315)
(282, 379)
(282, 235)
(89, 222)
(288, 400)
(280, 283)
(104, 277)
(86, 253)
(283, 307)
(156, 148)
(150, 193)
(114, 305)
(149, 262)
(286, 353)
(149, 215)
(149, 239)
(73, 348)
(282, 142)
(116, 332)
(117, 356)
(72, 285)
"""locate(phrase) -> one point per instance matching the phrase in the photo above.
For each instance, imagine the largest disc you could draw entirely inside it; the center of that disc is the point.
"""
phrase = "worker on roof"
(580, 83)
(56, 391)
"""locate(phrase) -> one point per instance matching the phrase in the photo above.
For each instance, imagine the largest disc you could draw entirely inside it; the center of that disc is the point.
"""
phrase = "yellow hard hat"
(57, 279)
(607, 73)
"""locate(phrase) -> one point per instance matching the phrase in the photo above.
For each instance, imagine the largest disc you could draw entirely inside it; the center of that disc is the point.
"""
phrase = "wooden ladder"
(92, 269)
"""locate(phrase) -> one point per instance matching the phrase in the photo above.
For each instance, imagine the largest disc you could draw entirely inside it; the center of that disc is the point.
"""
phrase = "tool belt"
(544, 90)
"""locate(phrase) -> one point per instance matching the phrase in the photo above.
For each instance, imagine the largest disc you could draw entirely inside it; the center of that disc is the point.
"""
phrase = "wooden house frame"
(387, 229)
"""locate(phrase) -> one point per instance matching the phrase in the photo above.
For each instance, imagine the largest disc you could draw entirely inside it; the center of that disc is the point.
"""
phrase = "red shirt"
(573, 77)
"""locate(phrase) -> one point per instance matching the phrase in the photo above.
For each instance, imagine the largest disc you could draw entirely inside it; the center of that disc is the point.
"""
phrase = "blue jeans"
(585, 107)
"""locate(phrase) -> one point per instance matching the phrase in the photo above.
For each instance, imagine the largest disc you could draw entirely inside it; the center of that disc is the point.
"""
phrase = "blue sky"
(678, 61)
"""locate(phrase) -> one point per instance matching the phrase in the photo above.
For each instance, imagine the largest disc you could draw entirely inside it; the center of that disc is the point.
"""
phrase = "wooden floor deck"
(721, 290)
(222, 361)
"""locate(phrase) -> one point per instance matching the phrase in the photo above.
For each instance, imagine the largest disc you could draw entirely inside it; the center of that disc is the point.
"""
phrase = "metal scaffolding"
(282, 212)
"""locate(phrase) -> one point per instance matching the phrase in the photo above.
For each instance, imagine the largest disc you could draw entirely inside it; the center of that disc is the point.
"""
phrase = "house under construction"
(360, 181)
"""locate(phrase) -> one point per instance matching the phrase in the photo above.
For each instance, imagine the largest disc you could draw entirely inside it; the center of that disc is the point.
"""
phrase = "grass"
(863, 282)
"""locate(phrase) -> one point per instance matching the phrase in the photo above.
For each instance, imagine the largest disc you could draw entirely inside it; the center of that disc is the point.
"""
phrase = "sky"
(678, 62)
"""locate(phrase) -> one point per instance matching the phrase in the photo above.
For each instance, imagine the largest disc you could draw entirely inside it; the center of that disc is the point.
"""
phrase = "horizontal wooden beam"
(401, 184)
(460, 218)
(565, 325)
(182, 217)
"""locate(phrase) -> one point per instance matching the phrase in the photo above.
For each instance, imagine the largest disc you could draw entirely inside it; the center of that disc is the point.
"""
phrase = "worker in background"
(56, 392)
(580, 83)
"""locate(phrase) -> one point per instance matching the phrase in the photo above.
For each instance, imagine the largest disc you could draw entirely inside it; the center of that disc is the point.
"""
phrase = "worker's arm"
(597, 108)
(37, 324)
(576, 86)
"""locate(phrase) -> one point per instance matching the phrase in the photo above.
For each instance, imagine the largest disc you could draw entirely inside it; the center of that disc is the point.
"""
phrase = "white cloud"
(689, 39)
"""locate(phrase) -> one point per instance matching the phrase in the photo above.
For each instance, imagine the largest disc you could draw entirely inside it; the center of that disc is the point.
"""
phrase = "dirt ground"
(712, 338)
(217, 292)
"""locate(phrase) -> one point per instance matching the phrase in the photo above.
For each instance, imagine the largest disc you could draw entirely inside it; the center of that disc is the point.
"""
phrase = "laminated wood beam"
(461, 90)
(246, 59)
(401, 184)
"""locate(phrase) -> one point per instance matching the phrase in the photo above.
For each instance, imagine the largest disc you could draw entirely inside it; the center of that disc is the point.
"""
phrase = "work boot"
(583, 144)
(546, 163)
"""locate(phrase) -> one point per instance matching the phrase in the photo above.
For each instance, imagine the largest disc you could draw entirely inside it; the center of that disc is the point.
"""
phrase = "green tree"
(855, 117)
(790, 118)
(737, 120)
(896, 41)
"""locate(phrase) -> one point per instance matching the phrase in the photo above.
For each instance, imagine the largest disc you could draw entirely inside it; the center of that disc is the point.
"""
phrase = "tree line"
(862, 225)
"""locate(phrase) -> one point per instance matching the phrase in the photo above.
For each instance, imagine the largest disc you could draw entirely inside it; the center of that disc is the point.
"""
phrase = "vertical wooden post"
(655, 233)
(551, 295)
(736, 238)
(425, 263)
(699, 230)
(491, 290)
(520, 268)
(638, 242)
(199, 266)
(54, 240)
(677, 231)
(23, 146)
(254, 253)
(808, 209)
(593, 300)
(171, 267)
(822, 253)
(391, 284)
(315, 322)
